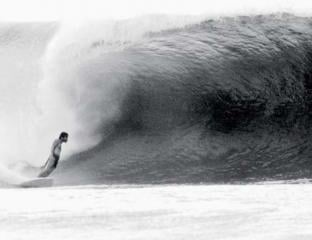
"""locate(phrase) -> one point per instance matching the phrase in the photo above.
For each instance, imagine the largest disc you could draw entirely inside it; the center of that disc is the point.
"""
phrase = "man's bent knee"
(47, 172)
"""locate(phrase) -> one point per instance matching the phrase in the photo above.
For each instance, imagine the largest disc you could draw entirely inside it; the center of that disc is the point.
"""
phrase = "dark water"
(218, 101)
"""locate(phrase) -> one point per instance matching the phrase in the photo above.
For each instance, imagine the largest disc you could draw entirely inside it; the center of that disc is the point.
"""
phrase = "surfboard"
(37, 183)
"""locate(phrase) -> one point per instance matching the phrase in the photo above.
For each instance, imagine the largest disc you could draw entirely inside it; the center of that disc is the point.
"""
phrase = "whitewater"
(275, 211)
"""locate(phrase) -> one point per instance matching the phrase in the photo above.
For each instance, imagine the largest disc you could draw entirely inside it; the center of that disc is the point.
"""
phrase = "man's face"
(64, 139)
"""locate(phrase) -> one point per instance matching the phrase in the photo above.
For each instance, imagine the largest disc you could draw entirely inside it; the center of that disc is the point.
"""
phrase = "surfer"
(54, 157)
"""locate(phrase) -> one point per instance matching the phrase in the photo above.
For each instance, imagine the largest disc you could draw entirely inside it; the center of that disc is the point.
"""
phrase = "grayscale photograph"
(158, 120)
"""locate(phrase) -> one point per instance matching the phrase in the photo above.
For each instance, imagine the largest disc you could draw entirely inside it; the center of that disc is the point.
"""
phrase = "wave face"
(169, 100)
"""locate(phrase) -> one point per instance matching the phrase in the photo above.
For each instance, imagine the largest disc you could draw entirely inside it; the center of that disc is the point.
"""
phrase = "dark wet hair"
(63, 134)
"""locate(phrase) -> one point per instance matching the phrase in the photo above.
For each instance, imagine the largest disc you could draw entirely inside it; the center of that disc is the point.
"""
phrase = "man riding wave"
(54, 157)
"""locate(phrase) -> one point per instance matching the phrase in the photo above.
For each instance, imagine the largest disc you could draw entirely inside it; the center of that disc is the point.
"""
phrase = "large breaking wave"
(162, 99)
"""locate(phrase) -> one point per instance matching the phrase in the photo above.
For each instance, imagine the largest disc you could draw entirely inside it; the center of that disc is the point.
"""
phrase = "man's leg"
(48, 168)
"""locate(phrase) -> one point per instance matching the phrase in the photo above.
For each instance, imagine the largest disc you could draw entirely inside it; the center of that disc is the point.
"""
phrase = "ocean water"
(165, 115)
(272, 211)
(158, 99)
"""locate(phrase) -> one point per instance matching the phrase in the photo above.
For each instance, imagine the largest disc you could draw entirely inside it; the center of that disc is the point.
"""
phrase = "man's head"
(63, 136)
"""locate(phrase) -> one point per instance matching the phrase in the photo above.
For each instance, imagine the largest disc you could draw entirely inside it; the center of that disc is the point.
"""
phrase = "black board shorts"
(56, 160)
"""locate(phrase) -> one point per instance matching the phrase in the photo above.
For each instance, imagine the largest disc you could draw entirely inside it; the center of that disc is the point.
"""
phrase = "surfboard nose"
(37, 183)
